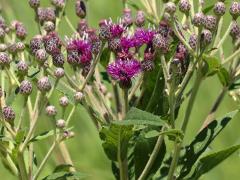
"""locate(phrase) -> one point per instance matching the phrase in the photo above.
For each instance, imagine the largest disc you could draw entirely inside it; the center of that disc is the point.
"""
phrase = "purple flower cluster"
(124, 70)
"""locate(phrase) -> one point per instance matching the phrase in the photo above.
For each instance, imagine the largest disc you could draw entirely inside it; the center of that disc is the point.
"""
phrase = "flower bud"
(44, 84)
(2, 33)
(206, 37)
(34, 3)
(114, 44)
(21, 31)
(80, 9)
(104, 33)
(58, 3)
(51, 110)
(3, 47)
(60, 124)
(41, 56)
(184, 6)
(20, 46)
(22, 67)
(4, 59)
(49, 26)
(52, 43)
(59, 73)
(25, 87)
(219, 9)
(147, 65)
(210, 22)
(198, 19)
(160, 43)
(127, 17)
(36, 43)
(8, 113)
(140, 19)
(63, 101)
(78, 97)
(170, 8)
(235, 10)
(58, 59)
(193, 40)
(235, 30)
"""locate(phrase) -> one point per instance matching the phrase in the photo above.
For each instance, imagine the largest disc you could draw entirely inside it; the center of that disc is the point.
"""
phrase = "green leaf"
(171, 132)
(207, 9)
(208, 162)
(224, 76)
(116, 138)
(20, 136)
(42, 136)
(62, 167)
(212, 65)
(159, 102)
(105, 57)
(10, 99)
(191, 153)
(66, 176)
(201, 143)
(138, 117)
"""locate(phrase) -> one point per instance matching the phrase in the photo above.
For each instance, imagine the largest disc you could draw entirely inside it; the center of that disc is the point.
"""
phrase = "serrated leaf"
(115, 138)
(42, 136)
(138, 117)
(208, 162)
(191, 153)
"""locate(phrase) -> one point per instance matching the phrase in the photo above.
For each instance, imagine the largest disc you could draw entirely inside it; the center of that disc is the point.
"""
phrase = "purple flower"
(123, 71)
(116, 30)
(142, 36)
(127, 43)
(82, 51)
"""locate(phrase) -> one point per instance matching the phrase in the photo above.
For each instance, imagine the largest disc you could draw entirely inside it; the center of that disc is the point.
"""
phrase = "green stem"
(177, 147)
(70, 24)
(92, 69)
(230, 58)
(152, 158)
(70, 114)
(22, 167)
(44, 161)
(125, 103)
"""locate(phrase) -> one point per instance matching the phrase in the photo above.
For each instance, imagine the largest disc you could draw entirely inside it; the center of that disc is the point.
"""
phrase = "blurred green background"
(85, 148)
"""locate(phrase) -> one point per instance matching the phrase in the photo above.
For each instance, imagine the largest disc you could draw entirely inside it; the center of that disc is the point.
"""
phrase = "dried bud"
(140, 19)
(59, 73)
(170, 8)
(160, 43)
(51, 110)
(49, 26)
(25, 87)
(44, 84)
(63, 101)
(22, 67)
(41, 56)
(198, 19)
(235, 10)
(80, 9)
(58, 3)
(58, 59)
(210, 22)
(78, 97)
(34, 3)
(219, 9)
(184, 6)
(60, 124)
(206, 37)
(4, 59)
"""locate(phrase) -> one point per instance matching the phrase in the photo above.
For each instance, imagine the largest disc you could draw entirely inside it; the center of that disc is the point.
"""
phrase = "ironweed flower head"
(143, 36)
(36, 43)
(52, 43)
(124, 70)
(79, 50)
